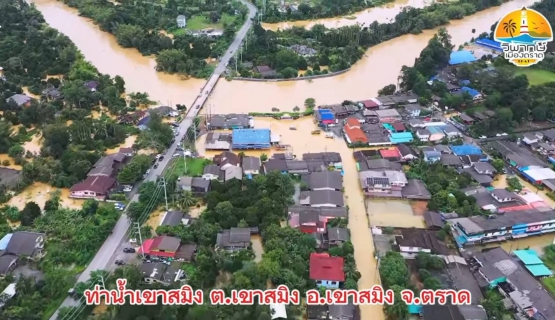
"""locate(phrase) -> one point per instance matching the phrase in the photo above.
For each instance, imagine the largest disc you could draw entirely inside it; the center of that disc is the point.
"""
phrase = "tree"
(302, 64)
(30, 212)
(399, 309)
(310, 103)
(498, 165)
(16, 151)
(387, 90)
(185, 200)
(286, 59)
(263, 157)
(493, 304)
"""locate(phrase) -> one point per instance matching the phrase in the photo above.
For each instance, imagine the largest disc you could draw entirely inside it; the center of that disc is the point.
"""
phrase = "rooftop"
(421, 238)
(322, 197)
(433, 219)
(250, 136)
(339, 212)
(479, 224)
(386, 113)
(460, 57)
(325, 267)
(324, 179)
(234, 237)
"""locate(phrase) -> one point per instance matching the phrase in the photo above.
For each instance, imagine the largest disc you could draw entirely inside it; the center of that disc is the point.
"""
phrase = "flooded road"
(382, 14)
(380, 67)
(102, 50)
(256, 242)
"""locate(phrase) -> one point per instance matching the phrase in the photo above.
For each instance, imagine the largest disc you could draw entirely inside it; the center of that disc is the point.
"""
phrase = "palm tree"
(185, 200)
(509, 27)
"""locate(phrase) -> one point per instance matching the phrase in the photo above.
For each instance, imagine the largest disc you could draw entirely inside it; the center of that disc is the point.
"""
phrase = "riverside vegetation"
(137, 24)
(338, 49)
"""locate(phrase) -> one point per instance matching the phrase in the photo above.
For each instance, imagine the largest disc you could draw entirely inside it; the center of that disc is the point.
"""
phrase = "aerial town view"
(266, 160)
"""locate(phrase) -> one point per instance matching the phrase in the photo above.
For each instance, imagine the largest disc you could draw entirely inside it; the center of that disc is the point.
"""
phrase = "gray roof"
(504, 194)
(211, 169)
(318, 197)
(473, 312)
(382, 164)
(338, 234)
(166, 243)
(275, 165)
(443, 148)
(528, 292)
(479, 224)
(433, 219)
(101, 171)
(405, 150)
(6, 261)
(413, 107)
(229, 120)
(484, 166)
(480, 178)
(416, 189)
(9, 177)
(421, 238)
(450, 160)
(343, 312)
(227, 157)
(546, 146)
(327, 157)
(23, 243)
(19, 99)
(415, 122)
(200, 183)
(450, 129)
(466, 117)
(251, 163)
(233, 173)
(519, 155)
(294, 165)
(324, 179)
(234, 237)
(423, 132)
(185, 181)
(464, 280)
(338, 212)
(172, 218)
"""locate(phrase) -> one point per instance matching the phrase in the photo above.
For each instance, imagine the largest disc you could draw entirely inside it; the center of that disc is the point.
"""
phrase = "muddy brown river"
(378, 68)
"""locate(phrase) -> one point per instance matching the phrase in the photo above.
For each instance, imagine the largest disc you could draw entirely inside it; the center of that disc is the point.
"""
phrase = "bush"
(441, 235)
(6, 163)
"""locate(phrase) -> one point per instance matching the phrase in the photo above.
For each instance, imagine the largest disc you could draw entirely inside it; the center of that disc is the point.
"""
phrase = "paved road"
(108, 252)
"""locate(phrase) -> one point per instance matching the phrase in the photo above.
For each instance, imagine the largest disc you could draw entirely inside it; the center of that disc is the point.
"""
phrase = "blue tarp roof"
(539, 270)
(250, 136)
(463, 56)
(326, 114)
(465, 82)
(528, 256)
(414, 309)
(401, 137)
(465, 149)
(470, 91)
(489, 43)
(5, 240)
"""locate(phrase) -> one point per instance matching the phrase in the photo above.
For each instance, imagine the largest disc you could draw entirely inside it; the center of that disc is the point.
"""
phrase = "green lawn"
(193, 167)
(536, 76)
(202, 22)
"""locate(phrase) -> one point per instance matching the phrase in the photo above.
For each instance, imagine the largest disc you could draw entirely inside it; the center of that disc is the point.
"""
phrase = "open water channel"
(379, 67)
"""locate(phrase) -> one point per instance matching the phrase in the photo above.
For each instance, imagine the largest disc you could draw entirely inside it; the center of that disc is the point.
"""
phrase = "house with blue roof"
(475, 94)
(432, 156)
(251, 139)
(466, 150)
(490, 44)
(401, 137)
(460, 57)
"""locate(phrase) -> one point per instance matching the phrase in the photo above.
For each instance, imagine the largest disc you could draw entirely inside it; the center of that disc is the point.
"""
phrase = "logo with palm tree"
(510, 27)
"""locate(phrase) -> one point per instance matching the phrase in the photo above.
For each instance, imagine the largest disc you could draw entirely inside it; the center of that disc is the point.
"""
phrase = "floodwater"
(382, 14)
(393, 213)
(536, 243)
(34, 145)
(128, 143)
(256, 242)
(380, 67)
(501, 183)
(39, 193)
(102, 50)
(4, 157)
(155, 218)
(195, 212)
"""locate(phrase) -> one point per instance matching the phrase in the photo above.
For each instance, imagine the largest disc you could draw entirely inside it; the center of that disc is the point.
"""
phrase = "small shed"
(181, 21)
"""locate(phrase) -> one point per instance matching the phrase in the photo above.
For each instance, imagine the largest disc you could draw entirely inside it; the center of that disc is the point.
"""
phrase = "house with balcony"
(475, 230)
(326, 270)
(313, 219)
(384, 183)
(413, 241)
(93, 187)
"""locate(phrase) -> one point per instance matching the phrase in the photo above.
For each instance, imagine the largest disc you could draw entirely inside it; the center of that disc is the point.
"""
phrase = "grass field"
(202, 22)
(194, 167)
(536, 76)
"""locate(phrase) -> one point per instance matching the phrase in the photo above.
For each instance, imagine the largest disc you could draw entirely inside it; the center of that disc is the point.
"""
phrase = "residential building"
(23, 244)
(400, 137)
(433, 220)
(451, 132)
(296, 167)
(538, 175)
(251, 165)
(370, 116)
(231, 173)
(325, 180)
(93, 187)
(133, 118)
(518, 157)
(8, 293)
(108, 166)
(181, 21)
(229, 121)
(390, 154)
(265, 71)
(484, 168)
(8, 263)
(307, 222)
(327, 271)
(436, 134)
(416, 123)
(379, 164)
(161, 246)
(128, 152)
(342, 111)
(432, 156)
(530, 138)
(498, 269)
(175, 218)
(389, 116)
(413, 241)
(193, 184)
(415, 190)
(545, 148)
(518, 224)
(19, 100)
(475, 94)
(211, 172)
(91, 85)
(333, 312)
(218, 141)
(186, 252)
(51, 93)
(303, 50)
(227, 159)
(466, 149)
(413, 110)
(331, 159)
(451, 160)
(370, 104)
(322, 198)
(161, 273)
(500, 200)
(482, 179)
(324, 214)
(279, 165)
(337, 236)
(399, 127)
(234, 239)
(423, 134)
(353, 132)
(382, 183)
(468, 120)
(451, 312)
(406, 152)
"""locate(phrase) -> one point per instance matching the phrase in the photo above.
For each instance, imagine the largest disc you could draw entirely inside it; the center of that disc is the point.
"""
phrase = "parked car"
(155, 165)
(132, 240)
(127, 188)
(158, 156)
(120, 262)
(129, 250)
(160, 159)
(175, 155)
(119, 206)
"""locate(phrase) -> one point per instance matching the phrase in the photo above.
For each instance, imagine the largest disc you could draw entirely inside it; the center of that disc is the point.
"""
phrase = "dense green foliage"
(72, 239)
(339, 49)
(136, 24)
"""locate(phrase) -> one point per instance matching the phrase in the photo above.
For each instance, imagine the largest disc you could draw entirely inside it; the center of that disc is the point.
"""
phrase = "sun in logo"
(523, 35)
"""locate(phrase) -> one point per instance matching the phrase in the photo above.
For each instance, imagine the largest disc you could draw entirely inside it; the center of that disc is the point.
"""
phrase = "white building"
(181, 21)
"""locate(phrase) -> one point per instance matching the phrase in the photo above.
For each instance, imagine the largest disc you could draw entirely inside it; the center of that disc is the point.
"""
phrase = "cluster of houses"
(49, 93)
(101, 179)
(20, 245)
(141, 118)
(242, 137)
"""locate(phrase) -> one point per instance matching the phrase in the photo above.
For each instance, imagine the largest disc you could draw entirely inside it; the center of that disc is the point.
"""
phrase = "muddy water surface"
(256, 242)
(382, 14)
(128, 143)
(393, 213)
(380, 68)
(102, 50)
(39, 193)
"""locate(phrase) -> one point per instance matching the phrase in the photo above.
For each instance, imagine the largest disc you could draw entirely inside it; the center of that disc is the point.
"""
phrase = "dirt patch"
(419, 207)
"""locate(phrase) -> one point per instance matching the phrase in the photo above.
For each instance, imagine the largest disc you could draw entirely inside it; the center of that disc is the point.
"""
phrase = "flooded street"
(393, 213)
(382, 14)
(380, 67)
(256, 242)
(102, 50)
(501, 182)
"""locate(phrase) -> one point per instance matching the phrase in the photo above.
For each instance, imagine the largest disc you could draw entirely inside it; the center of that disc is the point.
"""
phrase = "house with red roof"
(353, 132)
(161, 246)
(94, 187)
(390, 154)
(326, 270)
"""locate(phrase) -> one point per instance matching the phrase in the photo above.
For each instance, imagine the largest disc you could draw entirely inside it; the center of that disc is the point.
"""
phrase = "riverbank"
(327, 75)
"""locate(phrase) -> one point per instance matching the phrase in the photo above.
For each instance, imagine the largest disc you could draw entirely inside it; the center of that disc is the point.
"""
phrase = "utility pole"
(138, 226)
(163, 183)
(102, 281)
(236, 62)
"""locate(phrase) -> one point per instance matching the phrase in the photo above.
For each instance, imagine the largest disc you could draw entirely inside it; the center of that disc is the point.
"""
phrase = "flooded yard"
(39, 193)
(5, 157)
(536, 243)
(501, 182)
(256, 242)
(395, 213)
(155, 218)
(128, 143)
(34, 145)
(196, 211)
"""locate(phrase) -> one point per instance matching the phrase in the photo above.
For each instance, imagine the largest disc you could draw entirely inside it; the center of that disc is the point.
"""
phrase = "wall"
(328, 284)
(294, 79)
